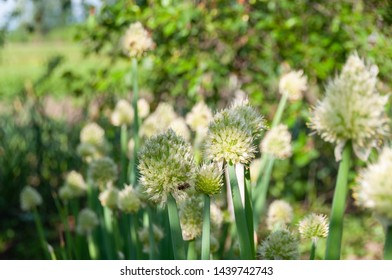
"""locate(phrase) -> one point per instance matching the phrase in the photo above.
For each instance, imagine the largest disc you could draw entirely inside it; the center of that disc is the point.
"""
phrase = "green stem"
(313, 251)
(151, 238)
(175, 229)
(205, 241)
(338, 206)
(69, 241)
(136, 119)
(192, 255)
(260, 200)
(92, 247)
(41, 233)
(240, 217)
(279, 111)
(124, 148)
(135, 242)
(388, 243)
(249, 208)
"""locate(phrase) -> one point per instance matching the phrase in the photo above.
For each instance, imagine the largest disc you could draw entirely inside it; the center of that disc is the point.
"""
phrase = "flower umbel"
(128, 200)
(87, 221)
(29, 198)
(136, 40)
(293, 84)
(313, 227)
(122, 114)
(191, 217)
(279, 245)
(209, 179)
(374, 190)
(103, 171)
(109, 197)
(277, 142)
(166, 163)
(280, 214)
(352, 110)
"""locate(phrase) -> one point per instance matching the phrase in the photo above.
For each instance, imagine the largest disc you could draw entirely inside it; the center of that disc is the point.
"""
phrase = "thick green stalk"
(261, 197)
(175, 228)
(124, 148)
(135, 120)
(313, 251)
(151, 238)
(41, 233)
(249, 209)
(205, 241)
(240, 218)
(279, 111)
(388, 243)
(92, 247)
(134, 237)
(338, 206)
(192, 255)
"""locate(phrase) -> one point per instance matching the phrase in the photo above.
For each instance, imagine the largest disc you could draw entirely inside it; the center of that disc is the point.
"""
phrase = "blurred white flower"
(280, 214)
(199, 117)
(136, 40)
(313, 227)
(87, 221)
(277, 142)
(92, 134)
(29, 198)
(293, 84)
(180, 128)
(122, 114)
(143, 108)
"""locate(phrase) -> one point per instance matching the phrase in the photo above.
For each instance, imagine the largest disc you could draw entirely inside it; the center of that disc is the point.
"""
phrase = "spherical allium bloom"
(109, 197)
(158, 121)
(87, 221)
(136, 40)
(209, 179)
(180, 128)
(87, 151)
(166, 166)
(66, 193)
(92, 134)
(280, 214)
(313, 227)
(128, 200)
(352, 110)
(293, 84)
(277, 142)
(374, 190)
(143, 108)
(29, 198)
(103, 171)
(232, 133)
(144, 238)
(122, 114)
(191, 217)
(279, 245)
(76, 183)
(199, 117)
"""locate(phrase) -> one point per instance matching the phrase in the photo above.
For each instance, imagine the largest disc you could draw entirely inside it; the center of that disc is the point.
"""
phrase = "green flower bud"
(313, 227)
(87, 221)
(279, 245)
(103, 171)
(209, 179)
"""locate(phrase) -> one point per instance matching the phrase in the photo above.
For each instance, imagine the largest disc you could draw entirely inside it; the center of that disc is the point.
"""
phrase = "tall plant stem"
(205, 239)
(338, 206)
(279, 111)
(134, 238)
(192, 255)
(175, 229)
(151, 237)
(312, 251)
(92, 247)
(246, 251)
(41, 233)
(124, 148)
(261, 198)
(388, 243)
(135, 98)
(249, 209)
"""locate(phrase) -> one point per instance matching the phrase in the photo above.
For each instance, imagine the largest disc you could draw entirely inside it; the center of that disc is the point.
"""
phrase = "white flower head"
(180, 128)
(293, 84)
(29, 198)
(122, 114)
(159, 121)
(109, 197)
(76, 183)
(143, 108)
(128, 200)
(352, 110)
(277, 142)
(136, 40)
(280, 214)
(374, 190)
(87, 221)
(313, 227)
(92, 134)
(199, 117)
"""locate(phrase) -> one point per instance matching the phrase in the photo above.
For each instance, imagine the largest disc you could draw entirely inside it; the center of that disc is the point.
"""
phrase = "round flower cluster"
(209, 179)
(158, 121)
(136, 40)
(123, 113)
(352, 110)
(191, 217)
(279, 245)
(374, 190)
(143, 108)
(92, 142)
(103, 171)
(199, 117)
(232, 133)
(75, 186)
(109, 197)
(128, 200)
(313, 227)
(166, 163)
(87, 221)
(280, 214)
(277, 142)
(293, 84)
(29, 198)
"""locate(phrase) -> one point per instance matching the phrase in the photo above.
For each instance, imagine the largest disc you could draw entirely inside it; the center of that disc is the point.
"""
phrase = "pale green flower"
(374, 190)
(76, 183)
(159, 121)
(87, 221)
(122, 114)
(313, 227)
(66, 193)
(352, 110)
(277, 142)
(92, 134)
(180, 128)
(280, 214)
(103, 171)
(29, 198)
(143, 108)
(209, 179)
(199, 117)
(191, 217)
(279, 245)
(128, 200)
(293, 84)
(109, 197)
(136, 40)
(166, 164)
